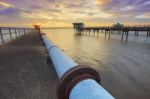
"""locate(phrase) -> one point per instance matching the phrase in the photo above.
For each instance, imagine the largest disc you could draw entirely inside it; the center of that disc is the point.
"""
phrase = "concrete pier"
(24, 73)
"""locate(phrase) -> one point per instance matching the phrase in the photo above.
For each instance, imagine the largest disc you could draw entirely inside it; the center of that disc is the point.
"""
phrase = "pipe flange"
(72, 77)
(52, 47)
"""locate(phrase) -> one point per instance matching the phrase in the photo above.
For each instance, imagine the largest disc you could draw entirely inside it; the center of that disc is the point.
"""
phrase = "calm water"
(124, 66)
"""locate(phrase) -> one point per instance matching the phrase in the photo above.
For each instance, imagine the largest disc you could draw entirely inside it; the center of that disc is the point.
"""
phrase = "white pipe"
(85, 89)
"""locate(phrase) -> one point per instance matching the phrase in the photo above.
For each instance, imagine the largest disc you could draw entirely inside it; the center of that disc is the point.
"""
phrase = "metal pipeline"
(76, 82)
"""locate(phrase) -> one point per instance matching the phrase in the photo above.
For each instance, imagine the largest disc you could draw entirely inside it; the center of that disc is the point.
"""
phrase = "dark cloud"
(8, 11)
(129, 6)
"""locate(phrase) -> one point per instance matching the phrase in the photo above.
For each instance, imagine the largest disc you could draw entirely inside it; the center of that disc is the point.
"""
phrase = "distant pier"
(107, 30)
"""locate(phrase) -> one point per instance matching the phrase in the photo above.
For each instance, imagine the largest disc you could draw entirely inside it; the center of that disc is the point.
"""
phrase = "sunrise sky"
(62, 13)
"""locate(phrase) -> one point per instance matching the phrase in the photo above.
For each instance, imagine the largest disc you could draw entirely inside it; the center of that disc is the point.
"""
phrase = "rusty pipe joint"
(74, 76)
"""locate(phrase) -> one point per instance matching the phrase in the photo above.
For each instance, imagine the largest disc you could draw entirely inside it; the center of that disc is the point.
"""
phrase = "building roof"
(78, 23)
(118, 25)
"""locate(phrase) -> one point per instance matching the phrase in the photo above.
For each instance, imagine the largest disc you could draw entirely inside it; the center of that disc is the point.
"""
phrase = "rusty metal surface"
(74, 76)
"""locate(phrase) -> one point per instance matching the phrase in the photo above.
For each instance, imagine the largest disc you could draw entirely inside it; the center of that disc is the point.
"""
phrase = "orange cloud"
(6, 4)
(101, 2)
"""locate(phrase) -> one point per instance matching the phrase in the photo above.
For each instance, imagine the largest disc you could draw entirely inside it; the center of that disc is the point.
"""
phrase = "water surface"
(124, 66)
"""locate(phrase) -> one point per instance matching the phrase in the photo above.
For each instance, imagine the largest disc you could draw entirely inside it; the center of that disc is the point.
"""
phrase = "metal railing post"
(19, 32)
(27, 30)
(15, 32)
(1, 34)
(24, 31)
(10, 33)
(76, 82)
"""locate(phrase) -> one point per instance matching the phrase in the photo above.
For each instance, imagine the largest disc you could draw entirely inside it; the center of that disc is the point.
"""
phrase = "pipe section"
(76, 82)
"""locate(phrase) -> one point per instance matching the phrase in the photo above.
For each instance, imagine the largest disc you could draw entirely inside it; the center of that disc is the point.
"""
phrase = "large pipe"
(76, 82)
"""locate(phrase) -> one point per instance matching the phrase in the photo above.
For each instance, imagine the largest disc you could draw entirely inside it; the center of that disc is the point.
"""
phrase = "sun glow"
(101, 2)
(62, 13)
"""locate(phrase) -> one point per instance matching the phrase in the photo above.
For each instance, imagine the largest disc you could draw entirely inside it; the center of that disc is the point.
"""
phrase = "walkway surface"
(24, 73)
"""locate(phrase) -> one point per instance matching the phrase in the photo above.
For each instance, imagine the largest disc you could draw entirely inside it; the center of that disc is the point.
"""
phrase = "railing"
(7, 33)
(76, 82)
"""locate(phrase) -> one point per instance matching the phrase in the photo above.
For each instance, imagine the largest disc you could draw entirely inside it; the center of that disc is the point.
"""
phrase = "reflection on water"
(124, 67)
(80, 48)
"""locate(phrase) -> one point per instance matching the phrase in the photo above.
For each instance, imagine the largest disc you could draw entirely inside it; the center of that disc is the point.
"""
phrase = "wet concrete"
(24, 73)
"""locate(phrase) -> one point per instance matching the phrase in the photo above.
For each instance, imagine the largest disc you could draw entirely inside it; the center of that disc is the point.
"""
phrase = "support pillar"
(105, 33)
(122, 35)
(109, 34)
(127, 33)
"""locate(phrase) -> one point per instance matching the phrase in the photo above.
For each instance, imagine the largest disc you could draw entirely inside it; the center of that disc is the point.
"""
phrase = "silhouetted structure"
(78, 27)
(119, 28)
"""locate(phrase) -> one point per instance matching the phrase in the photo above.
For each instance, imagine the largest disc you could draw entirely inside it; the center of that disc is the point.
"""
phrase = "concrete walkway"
(24, 73)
